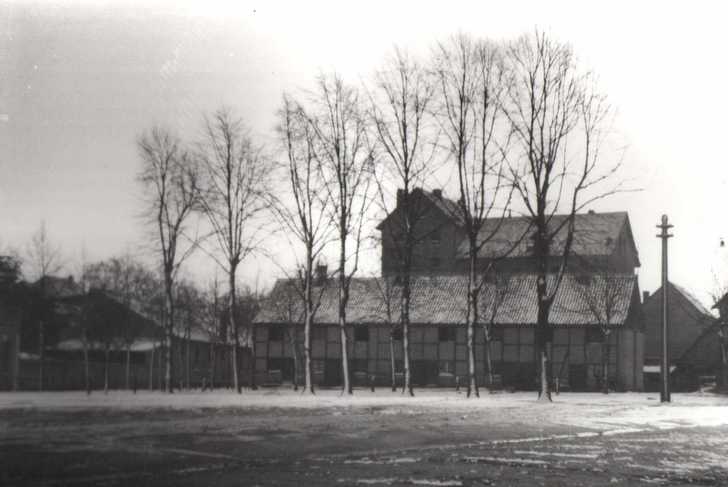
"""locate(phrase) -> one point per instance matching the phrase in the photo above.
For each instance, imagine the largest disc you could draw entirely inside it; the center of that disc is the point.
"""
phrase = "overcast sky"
(78, 83)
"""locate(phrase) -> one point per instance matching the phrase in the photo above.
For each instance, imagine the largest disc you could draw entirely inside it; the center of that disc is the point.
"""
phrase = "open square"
(279, 437)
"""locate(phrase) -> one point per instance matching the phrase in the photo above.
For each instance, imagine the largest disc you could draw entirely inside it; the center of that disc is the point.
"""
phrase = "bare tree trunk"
(343, 298)
(605, 364)
(87, 379)
(308, 386)
(163, 352)
(543, 329)
(187, 357)
(41, 354)
(308, 320)
(127, 372)
(471, 318)
(212, 365)
(407, 386)
(168, 379)
(106, 369)
(294, 350)
(234, 328)
(487, 359)
(16, 362)
(180, 362)
(393, 364)
(724, 353)
(151, 369)
(251, 368)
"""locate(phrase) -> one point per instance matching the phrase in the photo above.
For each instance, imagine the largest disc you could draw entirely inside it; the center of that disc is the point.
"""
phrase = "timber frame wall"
(436, 362)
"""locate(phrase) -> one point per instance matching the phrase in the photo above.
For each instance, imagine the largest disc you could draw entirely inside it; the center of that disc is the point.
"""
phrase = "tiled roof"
(443, 300)
(594, 234)
(692, 300)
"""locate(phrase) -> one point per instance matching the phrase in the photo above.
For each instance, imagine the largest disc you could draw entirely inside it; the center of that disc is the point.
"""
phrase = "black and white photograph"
(383, 244)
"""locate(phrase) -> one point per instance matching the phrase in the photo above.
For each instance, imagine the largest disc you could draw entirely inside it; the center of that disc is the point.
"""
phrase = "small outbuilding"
(689, 322)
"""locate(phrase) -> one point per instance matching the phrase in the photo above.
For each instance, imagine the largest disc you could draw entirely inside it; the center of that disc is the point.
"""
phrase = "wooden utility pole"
(665, 362)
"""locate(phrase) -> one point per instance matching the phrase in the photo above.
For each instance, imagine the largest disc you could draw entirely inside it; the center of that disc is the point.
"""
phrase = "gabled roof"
(447, 207)
(692, 300)
(595, 234)
(699, 312)
(443, 300)
(148, 330)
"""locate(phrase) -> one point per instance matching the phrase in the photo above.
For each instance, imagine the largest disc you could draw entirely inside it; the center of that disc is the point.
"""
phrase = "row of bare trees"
(222, 179)
(518, 126)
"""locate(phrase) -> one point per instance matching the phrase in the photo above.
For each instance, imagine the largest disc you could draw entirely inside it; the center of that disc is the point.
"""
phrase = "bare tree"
(387, 293)
(287, 304)
(558, 122)
(495, 289)
(211, 322)
(345, 160)
(190, 304)
(400, 102)
(471, 81)
(601, 295)
(171, 182)
(45, 260)
(83, 321)
(302, 211)
(235, 197)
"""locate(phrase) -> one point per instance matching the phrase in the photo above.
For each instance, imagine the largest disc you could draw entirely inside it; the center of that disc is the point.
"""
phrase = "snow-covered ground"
(610, 414)
(438, 437)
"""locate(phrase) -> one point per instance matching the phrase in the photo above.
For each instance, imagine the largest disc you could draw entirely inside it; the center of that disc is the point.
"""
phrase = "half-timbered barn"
(438, 349)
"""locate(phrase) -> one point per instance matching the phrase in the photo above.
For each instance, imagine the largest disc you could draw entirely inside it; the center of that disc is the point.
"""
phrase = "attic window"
(435, 237)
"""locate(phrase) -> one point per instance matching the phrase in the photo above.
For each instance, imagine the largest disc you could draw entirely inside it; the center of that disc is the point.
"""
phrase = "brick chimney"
(437, 193)
(645, 295)
(321, 274)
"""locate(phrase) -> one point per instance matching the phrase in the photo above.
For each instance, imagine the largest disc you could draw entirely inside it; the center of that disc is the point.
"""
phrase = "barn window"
(275, 334)
(361, 334)
(318, 333)
(594, 335)
(398, 366)
(359, 365)
(317, 367)
(496, 334)
(446, 334)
